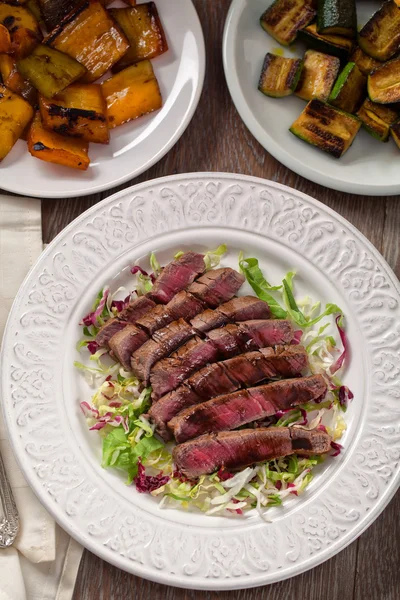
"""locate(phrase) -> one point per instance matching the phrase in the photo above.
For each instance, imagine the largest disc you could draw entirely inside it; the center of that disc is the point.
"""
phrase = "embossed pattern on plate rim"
(166, 553)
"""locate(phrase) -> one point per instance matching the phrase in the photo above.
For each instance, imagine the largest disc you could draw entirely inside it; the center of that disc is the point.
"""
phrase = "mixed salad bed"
(117, 410)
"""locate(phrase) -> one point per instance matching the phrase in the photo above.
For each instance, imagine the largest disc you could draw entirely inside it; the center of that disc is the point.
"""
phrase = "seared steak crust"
(176, 276)
(238, 449)
(245, 406)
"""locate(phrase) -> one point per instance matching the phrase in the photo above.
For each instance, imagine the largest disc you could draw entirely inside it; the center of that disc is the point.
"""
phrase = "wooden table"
(217, 140)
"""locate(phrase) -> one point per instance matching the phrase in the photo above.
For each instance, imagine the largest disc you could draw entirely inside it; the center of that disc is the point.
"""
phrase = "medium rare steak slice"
(126, 341)
(182, 306)
(227, 341)
(217, 286)
(135, 309)
(228, 376)
(238, 449)
(110, 328)
(176, 276)
(163, 342)
(239, 408)
(243, 308)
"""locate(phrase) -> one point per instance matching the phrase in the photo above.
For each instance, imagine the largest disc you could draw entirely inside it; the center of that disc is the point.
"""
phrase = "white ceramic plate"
(369, 167)
(41, 389)
(135, 146)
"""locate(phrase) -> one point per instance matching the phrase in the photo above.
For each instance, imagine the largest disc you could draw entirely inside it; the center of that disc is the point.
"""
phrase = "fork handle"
(9, 524)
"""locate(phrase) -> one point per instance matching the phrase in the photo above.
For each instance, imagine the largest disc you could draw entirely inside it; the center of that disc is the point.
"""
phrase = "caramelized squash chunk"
(89, 35)
(284, 18)
(79, 111)
(384, 83)
(15, 114)
(377, 119)
(24, 29)
(50, 71)
(58, 149)
(14, 81)
(131, 93)
(5, 40)
(365, 63)
(142, 26)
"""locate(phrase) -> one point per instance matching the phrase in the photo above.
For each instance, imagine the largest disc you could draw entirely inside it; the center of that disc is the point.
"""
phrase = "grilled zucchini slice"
(395, 131)
(326, 127)
(50, 71)
(279, 75)
(58, 149)
(15, 114)
(337, 17)
(377, 119)
(89, 35)
(329, 44)
(380, 36)
(78, 111)
(365, 63)
(131, 93)
(283, 19)
(318, 75)
(144, 31)
(349, 89)
(384, 83)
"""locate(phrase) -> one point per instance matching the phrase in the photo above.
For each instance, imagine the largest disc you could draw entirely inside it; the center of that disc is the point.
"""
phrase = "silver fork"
(9, 523)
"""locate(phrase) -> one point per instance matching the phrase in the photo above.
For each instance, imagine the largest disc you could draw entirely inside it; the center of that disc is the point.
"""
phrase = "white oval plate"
(136, 146)
(369, 167)
(41, 389)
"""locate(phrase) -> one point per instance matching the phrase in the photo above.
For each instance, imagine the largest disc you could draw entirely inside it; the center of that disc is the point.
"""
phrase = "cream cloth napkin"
(44, 561)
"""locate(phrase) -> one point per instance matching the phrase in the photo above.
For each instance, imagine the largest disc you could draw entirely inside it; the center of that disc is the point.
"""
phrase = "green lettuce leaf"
(251, 270)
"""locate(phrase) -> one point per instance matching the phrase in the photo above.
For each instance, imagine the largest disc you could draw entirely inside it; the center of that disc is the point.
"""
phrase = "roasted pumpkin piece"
(15, 114)
(14, 81)
(380, 36)
(55, 148)
(326, 127)
(279, 75)
(55, 10)
(318, 75)
(131, 93)
(89, 35)
(24, 29)
(384, 83)
(133, 2)
(377, 119)
(349, 90)
(365, 63)
(49, 70)
(5, 40)
(283, 19)
(142, 26)
(79, 111)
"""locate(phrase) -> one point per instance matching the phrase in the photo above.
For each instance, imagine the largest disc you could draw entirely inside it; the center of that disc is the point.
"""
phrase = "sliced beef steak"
(217, 286)
(110, 328)
(238, 449)
(239, 408)
(125, 342)
(182, 306)
(163, 342)
(243, 308)
(176, 276)
(226, 342)
(135, 309)
(228, 376)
